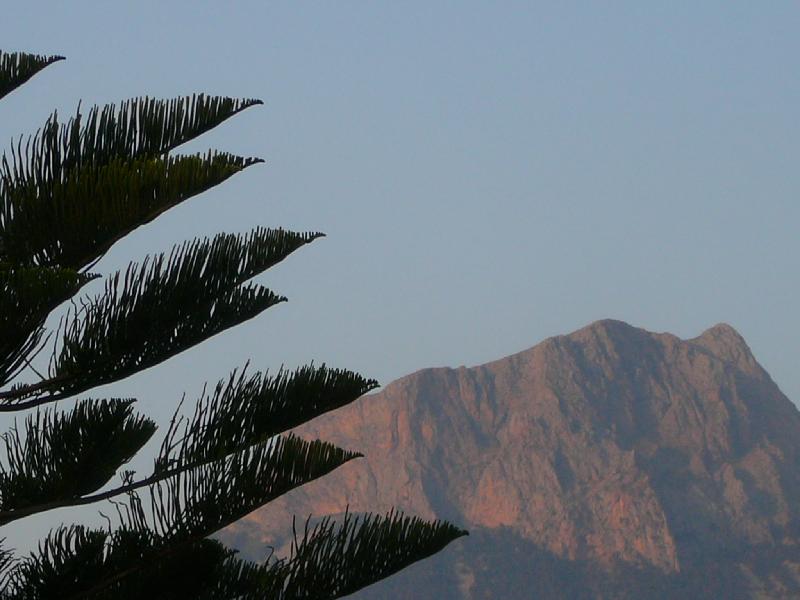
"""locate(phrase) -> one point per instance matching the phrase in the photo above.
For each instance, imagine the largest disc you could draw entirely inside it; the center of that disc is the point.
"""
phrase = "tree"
(67, 194)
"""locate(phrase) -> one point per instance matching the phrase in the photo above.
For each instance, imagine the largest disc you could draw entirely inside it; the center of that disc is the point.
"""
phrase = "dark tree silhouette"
(67, 194)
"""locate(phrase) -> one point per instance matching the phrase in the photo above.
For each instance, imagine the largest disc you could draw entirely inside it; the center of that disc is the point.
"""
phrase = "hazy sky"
(488, 173)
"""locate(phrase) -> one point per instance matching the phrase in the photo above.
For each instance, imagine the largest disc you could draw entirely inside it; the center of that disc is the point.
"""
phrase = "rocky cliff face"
(611, 462)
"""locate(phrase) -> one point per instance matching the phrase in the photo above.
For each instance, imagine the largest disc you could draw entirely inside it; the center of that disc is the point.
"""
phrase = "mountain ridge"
(610, 447)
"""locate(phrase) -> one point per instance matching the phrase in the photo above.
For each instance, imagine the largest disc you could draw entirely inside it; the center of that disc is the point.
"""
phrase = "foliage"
(67, 195)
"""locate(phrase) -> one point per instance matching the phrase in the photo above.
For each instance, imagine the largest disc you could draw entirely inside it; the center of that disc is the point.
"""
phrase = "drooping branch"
(63, 456)
(27, 296)
(137, 128)
(18, 67)
(337, 559)
(201, 501)
(74, 221)
(7, 561)
(247, 410)
(177, 474)
(160, 308)
(77, 563)
(185, 509)
(330, 560)
(241, 413)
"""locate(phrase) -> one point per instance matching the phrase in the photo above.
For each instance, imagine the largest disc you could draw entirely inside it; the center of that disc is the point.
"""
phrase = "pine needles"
(18, 67)
(67, 194)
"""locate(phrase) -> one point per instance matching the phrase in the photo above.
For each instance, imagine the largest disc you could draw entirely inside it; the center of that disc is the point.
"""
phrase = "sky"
(488, 174)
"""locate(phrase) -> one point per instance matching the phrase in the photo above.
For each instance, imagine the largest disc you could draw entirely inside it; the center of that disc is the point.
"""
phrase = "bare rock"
(612, 462)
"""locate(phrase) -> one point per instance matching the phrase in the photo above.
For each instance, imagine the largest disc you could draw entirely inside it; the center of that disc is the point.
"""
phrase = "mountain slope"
(611, 462)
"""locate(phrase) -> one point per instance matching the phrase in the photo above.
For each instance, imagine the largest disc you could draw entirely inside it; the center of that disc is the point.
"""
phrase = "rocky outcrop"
(613, 462)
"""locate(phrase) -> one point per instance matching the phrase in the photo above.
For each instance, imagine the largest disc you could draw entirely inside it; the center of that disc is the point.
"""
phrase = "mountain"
(609, 463)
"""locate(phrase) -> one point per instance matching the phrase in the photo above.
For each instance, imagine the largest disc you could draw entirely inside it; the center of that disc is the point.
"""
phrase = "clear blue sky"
(488, 173)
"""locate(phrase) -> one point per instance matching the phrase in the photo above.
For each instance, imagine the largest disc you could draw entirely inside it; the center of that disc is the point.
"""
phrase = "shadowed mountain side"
(611, 451)
(497, 563)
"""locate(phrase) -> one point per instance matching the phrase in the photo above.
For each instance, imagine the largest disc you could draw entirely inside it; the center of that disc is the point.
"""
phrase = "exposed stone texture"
(613, 461)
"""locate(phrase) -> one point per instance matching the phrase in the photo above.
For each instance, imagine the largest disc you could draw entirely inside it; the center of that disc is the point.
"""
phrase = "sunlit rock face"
(609, 463)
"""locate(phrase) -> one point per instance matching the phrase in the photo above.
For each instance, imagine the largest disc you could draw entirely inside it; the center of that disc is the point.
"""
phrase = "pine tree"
(67, 194)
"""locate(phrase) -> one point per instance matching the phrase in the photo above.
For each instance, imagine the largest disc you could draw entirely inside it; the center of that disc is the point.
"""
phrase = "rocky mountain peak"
(614, 456)
(726, 343)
